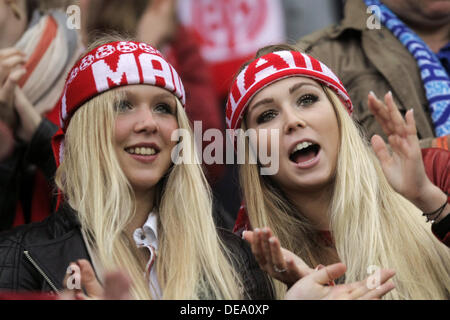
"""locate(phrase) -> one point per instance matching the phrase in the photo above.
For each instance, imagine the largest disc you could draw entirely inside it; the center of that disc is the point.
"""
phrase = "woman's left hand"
(404, 168)
(116, 284)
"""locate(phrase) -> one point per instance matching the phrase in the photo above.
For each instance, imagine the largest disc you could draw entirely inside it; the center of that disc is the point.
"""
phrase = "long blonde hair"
(372, 225)
(192, 262)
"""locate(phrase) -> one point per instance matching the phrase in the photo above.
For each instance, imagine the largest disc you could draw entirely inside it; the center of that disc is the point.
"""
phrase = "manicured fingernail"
(272, 240)
(243, 234)
(373, 94)
(257, 230)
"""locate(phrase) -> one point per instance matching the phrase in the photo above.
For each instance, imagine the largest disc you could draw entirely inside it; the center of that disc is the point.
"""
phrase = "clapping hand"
(306, 283)
(82, 277)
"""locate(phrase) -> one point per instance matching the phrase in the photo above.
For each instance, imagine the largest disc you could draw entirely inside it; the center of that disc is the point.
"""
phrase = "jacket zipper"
(42, 273)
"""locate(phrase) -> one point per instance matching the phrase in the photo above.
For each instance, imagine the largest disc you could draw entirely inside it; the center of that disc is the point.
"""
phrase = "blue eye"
(123, 105)
(307, 99)
(266, 116)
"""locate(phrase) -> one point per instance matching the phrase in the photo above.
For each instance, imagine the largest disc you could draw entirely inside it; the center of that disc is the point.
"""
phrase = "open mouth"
(304, 152)
(142, 151)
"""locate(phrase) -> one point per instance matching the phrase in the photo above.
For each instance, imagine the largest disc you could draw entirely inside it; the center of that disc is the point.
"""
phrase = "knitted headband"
(273, 67)
(109, 66)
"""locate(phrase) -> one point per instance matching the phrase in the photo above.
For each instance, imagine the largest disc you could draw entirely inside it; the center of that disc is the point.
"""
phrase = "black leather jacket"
(35, 257)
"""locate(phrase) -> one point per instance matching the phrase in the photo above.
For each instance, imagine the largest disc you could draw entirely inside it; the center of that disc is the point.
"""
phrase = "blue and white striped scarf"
(434, 76)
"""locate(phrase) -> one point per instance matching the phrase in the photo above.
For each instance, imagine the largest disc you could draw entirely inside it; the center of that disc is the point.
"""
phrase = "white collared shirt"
(147, 236)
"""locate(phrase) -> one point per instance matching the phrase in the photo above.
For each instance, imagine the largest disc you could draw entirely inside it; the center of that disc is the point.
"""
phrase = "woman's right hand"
(314, 286)
(276, 261)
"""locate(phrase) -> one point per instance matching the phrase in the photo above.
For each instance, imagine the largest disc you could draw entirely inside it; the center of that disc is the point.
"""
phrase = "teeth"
(301, 146)
(142, 151)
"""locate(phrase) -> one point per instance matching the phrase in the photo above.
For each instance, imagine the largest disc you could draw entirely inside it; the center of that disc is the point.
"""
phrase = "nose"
(145, 121)
(293, 120)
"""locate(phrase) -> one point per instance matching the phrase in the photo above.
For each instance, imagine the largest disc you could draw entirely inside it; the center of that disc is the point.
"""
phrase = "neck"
(314, 205)
(435, 38)
(144, 205)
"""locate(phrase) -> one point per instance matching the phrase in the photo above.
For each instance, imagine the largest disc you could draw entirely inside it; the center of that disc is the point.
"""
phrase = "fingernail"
(243, 234)
(272, 240)
(373, 94)
(320, 266)
(257, 230)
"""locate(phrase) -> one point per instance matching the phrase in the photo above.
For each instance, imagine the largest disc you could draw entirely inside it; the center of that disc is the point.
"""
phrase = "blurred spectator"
(229, 32)
(368, 56)
(36, 52)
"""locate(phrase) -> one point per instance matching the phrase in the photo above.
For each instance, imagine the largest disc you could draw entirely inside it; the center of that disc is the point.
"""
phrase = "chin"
(144, 183)
(315, 181)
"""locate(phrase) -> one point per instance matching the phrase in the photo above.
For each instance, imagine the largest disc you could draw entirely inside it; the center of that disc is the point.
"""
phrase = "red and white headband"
(273, 67)
(109, 66)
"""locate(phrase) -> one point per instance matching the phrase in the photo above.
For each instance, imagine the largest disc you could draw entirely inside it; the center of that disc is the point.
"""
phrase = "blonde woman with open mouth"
(334, 199)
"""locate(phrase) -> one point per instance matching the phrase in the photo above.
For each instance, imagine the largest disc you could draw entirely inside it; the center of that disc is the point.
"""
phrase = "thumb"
(329, 273)
(89, 280)
(21, 101)
(248, 236)
(13, 79)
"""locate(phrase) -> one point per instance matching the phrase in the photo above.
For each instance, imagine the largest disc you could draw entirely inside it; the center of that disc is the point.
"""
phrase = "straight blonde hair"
(372, 225)
(192, 262)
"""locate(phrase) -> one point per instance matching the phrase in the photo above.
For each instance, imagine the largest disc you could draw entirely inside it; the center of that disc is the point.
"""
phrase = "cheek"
(266, 139)
(333, 138)
(121, 130)
(167, 129)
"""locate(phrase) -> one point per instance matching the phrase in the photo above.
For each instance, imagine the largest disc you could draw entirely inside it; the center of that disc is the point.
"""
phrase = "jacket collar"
(355, 17)
(62, 221)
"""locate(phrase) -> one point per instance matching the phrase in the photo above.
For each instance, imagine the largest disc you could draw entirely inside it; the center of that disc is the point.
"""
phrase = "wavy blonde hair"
(372, 225)
(192, 262)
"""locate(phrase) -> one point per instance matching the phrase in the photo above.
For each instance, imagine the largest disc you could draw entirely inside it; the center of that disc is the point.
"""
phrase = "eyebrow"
(164, 96)
(261, 102)
(292, 89)
(301, 84)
